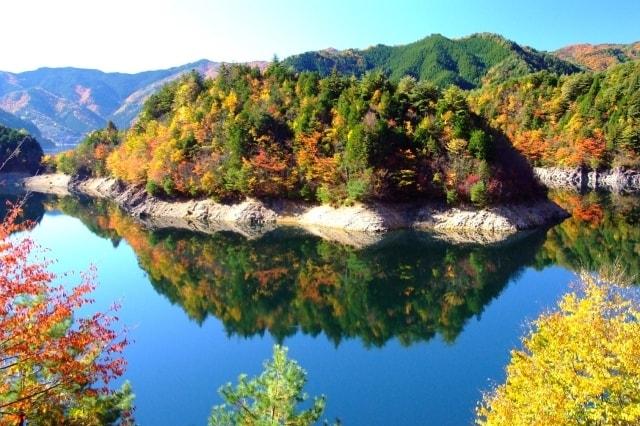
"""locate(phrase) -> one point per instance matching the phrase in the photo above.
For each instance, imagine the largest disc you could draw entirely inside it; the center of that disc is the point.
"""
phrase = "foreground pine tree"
(270, 399)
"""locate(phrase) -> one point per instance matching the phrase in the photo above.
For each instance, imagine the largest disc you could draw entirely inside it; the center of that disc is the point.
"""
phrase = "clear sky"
(135, 35)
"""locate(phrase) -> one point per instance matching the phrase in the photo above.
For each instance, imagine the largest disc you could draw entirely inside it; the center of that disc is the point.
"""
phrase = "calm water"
(409, 331)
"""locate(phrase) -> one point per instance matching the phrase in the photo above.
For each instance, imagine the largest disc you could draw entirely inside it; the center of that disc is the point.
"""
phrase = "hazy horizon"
(130, 37)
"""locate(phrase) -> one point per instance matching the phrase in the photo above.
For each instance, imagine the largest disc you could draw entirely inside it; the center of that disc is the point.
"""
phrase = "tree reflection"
(603, 231)
(409, 286)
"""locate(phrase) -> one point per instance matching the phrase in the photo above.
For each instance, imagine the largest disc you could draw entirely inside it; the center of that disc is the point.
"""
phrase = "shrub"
(358, 189)
(153, 188)
(452, 196)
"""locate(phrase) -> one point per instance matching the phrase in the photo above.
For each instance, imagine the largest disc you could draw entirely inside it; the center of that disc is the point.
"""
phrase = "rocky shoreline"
(358, 225)
(616, 180)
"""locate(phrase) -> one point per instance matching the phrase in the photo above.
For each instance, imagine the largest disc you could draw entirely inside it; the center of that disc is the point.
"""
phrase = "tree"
(53, 369)
(478, 194)
(479, 144)
(580, 365)
(269, 399)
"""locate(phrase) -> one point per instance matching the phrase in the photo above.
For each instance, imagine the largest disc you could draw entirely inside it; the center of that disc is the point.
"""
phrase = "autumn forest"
(445, 231)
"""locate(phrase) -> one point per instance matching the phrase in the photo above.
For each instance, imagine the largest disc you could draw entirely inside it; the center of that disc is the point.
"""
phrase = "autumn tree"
(579, 365)
(54, 368)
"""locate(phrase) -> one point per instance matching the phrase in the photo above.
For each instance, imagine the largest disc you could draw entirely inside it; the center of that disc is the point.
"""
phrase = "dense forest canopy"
(335, 139)
(466, 62)
(599, 57)
(19, 152)
(588, 119)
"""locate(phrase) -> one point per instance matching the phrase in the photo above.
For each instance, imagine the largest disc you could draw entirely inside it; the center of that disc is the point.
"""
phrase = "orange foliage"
(590, 213)
(316, 169)
(270, 174)
(47, 359)
(265, 277)
(101, 152)
(532, 144)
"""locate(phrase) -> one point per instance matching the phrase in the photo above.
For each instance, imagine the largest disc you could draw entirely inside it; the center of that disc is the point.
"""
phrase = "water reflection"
(604, 229)
(409, 286)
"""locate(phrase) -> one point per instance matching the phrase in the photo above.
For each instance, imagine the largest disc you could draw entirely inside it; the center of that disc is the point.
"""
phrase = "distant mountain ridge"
(599, 57)
(66, 103)
(467, 62)
(63, 104)
(11, 121)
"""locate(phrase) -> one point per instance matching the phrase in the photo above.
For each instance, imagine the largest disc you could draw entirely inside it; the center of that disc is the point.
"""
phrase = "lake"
(409, 331)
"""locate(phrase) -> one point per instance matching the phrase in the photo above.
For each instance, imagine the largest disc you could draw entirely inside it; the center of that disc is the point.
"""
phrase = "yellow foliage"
(580, 365)
(447, 117)
(231, 101)
(456, 146)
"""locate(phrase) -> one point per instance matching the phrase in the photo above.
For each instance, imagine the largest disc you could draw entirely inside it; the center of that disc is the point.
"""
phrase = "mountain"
(599, 57)
(11, 121)
(66, 103)
(19, 152)
(466, 62)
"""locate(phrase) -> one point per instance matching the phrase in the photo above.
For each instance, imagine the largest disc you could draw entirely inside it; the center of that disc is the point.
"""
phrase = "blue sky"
(135, 35)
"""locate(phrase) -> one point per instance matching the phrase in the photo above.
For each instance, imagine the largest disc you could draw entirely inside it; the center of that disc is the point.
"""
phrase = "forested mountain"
(587, 118)
(19, 152)
(279, 134)
(66, 103)
(467, 62)
(599, 57)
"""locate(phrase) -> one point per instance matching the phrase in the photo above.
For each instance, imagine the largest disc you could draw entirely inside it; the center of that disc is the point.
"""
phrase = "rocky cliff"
(580, 179)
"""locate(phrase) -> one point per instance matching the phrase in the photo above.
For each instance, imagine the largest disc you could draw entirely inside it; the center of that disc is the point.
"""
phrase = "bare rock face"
(359, 218)
(499, 221)
(138, 202)
(616, 180)
(358, 225)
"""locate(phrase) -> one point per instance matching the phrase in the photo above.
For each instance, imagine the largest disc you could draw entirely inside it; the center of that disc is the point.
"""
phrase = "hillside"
(467, 62)
(599, 57)
(13, 122)
(19, 152)
(590, 119)
(66, 103)
(336, 140)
